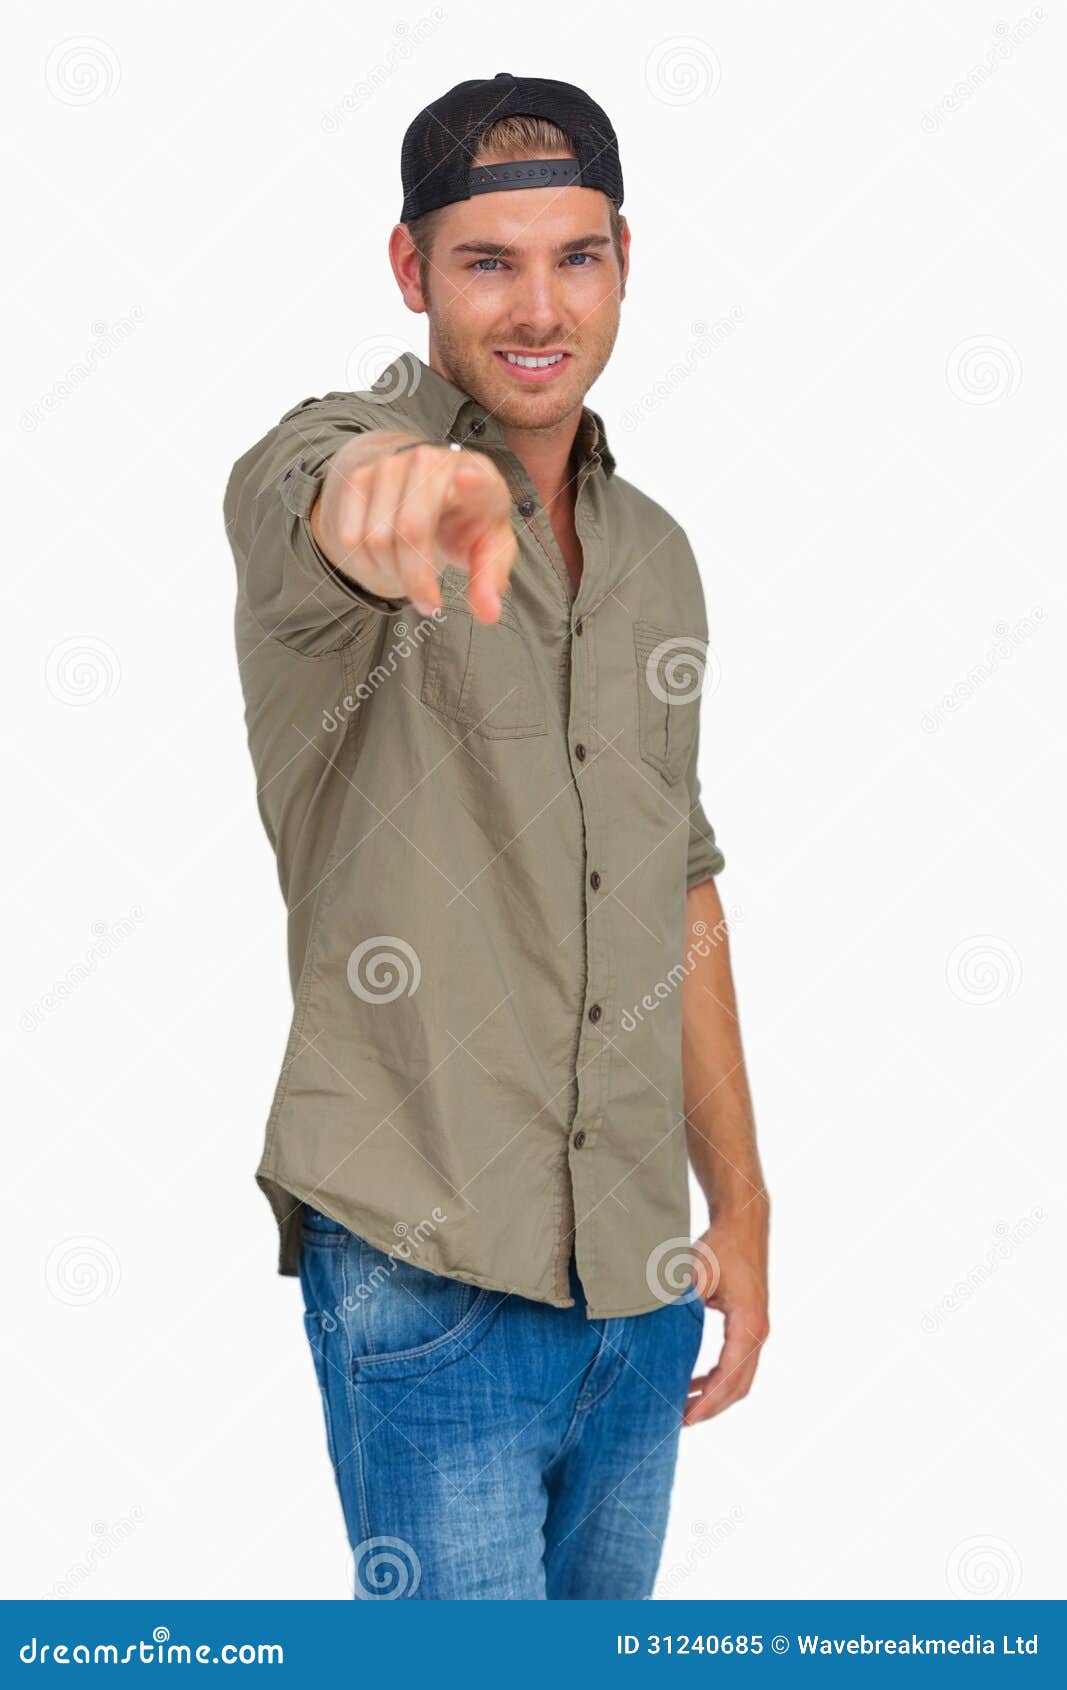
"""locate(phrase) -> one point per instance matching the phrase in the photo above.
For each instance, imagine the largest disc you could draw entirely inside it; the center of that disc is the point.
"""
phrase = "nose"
(537, 308)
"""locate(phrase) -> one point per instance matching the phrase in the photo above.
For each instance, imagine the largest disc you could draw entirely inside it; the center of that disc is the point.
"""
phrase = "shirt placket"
(584, 751)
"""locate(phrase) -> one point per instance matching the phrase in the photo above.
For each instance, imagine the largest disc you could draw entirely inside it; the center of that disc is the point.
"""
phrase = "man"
(472, 659)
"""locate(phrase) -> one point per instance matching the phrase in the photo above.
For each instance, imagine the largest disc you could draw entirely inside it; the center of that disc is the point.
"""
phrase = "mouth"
(533, 368)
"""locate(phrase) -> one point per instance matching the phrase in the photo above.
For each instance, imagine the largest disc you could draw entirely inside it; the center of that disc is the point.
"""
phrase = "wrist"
(746, 1203)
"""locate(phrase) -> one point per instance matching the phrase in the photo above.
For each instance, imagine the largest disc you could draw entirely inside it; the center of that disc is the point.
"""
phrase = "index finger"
(491, 558)
(493, 551)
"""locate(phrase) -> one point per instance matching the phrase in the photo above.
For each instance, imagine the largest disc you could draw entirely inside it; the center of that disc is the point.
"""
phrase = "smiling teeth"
(533, 363)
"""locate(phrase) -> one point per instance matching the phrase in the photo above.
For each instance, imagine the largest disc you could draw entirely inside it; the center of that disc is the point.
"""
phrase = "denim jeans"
(487, 1446)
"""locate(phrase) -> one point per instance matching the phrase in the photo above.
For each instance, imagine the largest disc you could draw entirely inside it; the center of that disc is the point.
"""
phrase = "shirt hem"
(624, 1314)
(287, 1263)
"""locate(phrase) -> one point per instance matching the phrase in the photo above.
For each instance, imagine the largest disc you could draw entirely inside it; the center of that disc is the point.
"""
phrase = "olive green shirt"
(484, 837)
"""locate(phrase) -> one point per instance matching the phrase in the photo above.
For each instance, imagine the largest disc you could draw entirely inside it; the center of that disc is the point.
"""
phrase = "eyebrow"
(493, 249)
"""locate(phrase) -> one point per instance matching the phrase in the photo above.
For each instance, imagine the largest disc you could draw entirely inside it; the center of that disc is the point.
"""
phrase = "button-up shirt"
(484, 836)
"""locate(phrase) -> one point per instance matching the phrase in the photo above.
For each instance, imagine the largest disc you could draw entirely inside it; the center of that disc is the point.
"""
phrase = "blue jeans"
(487, 1446)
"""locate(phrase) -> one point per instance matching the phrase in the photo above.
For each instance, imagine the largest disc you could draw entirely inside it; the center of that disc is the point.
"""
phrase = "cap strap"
(526, 173)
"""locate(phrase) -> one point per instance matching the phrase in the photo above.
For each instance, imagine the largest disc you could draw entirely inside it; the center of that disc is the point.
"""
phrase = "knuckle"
(410, 529)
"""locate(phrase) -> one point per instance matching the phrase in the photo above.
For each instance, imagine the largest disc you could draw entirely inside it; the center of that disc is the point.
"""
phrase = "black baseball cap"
(439, 145)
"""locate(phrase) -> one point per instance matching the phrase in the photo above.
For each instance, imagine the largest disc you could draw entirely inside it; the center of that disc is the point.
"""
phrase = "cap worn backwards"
(436, 159)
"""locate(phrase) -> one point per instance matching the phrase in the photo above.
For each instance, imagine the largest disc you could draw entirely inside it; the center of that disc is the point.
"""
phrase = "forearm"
(721, 1127)
(730, 1257)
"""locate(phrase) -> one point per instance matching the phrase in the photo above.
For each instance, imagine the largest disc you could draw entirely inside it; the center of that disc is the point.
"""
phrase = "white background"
(869, 463)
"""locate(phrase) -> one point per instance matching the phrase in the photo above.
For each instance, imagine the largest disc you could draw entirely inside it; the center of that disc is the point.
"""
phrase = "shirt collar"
(445, 412)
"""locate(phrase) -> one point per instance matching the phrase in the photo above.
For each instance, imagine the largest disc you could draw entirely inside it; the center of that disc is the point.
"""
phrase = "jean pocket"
(317, 1228)
(403, 1318)
(670, 672)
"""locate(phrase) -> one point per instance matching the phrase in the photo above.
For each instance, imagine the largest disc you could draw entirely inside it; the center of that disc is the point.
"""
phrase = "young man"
(472, 659)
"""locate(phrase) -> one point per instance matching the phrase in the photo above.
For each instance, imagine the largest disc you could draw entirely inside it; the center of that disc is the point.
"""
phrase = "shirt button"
(594, 880)
(579, 1139)
(526, 507)
(579, 752)
(578, 629)
(478, 426)
(595, 1012)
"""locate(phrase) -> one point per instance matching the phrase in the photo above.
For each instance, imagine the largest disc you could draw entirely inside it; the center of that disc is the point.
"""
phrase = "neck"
(550, 460)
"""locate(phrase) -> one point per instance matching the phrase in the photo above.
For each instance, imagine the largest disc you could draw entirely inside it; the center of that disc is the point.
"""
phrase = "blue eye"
(569, 260)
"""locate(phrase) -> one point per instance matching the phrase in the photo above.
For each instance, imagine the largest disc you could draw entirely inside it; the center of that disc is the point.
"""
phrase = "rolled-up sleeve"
(295, 594)
(705, 858)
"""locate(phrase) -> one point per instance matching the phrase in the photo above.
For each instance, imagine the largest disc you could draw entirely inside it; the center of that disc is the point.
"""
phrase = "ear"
(404, 258)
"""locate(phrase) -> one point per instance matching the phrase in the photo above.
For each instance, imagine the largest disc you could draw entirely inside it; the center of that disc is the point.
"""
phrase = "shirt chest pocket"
(481, 675)
(669, 675)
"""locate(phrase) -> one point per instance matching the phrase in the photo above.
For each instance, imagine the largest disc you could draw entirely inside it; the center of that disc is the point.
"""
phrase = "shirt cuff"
(705, 858)
(299, 489)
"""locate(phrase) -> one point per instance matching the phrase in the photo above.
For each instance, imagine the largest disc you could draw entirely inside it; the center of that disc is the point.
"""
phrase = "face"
(556, 288)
